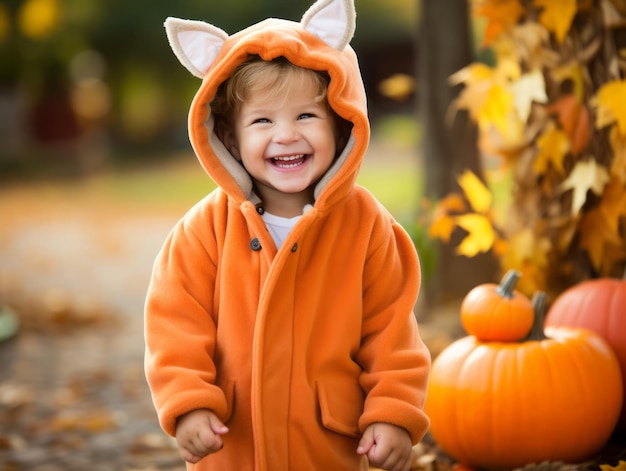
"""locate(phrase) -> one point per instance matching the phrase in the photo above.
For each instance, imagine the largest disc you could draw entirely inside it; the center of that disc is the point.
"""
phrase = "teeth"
(288, 158)
(284, 161)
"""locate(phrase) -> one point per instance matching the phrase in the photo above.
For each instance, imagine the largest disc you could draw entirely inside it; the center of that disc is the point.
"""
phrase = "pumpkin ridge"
(558, 365)
(544, 364)
(514, 400)
(469, 377)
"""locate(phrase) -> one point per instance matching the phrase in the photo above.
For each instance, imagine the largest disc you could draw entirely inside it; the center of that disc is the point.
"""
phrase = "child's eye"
(306, 115)
(261, 120)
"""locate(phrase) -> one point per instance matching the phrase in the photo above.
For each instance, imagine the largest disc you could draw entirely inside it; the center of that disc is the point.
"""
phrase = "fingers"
(198, 434)
(386, 446)
(203, 443)
(396, 462)
(217, 426)
(188, 456)
(367, 442)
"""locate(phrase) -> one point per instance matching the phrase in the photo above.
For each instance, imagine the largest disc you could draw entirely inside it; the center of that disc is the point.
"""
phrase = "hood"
(320, 42)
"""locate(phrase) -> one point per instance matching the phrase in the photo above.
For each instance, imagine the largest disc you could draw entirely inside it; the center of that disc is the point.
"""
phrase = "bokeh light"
(37, 19)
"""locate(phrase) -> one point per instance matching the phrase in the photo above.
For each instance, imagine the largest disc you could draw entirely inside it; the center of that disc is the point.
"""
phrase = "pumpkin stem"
(539, 307)
(509, 280)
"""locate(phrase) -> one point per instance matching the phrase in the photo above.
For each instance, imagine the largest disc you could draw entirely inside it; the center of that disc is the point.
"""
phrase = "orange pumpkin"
(599, 305)
(497, 312)
(507, 404)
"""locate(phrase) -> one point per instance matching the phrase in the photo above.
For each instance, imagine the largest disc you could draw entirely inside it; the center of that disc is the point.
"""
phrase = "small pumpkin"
(552, 397)
(599, 305)
(497, 312)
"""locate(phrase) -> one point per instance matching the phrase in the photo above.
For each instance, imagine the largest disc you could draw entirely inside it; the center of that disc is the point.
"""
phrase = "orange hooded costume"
(296, 350)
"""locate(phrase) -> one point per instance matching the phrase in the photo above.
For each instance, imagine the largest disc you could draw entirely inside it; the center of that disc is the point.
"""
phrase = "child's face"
(286, 143)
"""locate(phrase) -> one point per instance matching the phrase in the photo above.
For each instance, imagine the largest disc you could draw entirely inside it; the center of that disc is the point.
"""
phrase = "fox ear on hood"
(333, 21)
(195, 43)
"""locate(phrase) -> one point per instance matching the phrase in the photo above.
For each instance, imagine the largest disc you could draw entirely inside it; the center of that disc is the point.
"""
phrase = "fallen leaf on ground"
(93, 421)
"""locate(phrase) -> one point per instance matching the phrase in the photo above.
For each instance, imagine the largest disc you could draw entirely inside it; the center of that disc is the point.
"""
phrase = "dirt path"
(72, 391)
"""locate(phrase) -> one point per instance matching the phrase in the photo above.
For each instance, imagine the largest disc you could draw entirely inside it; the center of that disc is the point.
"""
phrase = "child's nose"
(285, 133)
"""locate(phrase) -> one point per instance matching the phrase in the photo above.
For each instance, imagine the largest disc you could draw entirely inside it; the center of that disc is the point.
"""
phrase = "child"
(279, 326)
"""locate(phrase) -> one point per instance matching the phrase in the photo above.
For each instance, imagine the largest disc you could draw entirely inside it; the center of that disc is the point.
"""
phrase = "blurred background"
(88, 84)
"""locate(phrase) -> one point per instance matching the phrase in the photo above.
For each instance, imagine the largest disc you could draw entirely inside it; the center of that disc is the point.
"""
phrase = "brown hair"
(270, 77)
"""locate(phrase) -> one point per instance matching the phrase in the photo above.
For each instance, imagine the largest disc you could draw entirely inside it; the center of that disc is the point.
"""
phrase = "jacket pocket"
(341, 405)
(228, 388)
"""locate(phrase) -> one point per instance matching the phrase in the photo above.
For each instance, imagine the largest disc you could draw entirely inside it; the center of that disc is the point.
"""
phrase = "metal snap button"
(255, 244)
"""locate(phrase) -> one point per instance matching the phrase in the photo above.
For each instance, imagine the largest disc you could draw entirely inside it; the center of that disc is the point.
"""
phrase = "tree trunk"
(449, 143)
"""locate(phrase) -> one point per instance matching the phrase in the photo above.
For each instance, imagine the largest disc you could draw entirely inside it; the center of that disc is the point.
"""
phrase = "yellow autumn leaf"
(500, 246)
(489, 103)
(527, 254)
(521, 246)
(508, 63)
(497, 110)
(487, 99)
(398, 87)
(621, 466)
(38, 18)
(453, 203)
(442, 223)
(525, 247)
(530, 88)
(475, 191)
(557, 16)
(610, 101)
(613, 204)
(473, 74)
(552, 147)
(584, 177)
(442, 227)
(477, 79)
(596, 235)
(500, 14)
(481, 235)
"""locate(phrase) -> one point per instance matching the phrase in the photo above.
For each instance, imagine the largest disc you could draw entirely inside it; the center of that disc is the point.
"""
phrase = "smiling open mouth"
(289, 161)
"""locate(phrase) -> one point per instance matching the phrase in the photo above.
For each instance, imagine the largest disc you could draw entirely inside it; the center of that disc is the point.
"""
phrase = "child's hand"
(198, 433)
(386, 446)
